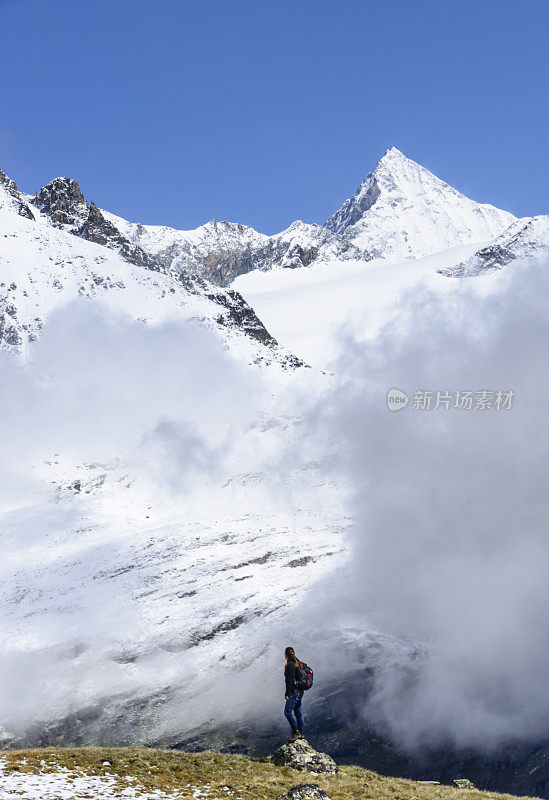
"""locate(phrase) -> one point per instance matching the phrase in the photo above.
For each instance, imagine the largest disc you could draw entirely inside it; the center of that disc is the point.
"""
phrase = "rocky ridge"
(44, 266)
(220, 251)
(525, 239)
(399, 211)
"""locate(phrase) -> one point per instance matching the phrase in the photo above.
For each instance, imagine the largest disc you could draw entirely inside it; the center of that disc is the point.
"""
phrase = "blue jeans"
(293, 707)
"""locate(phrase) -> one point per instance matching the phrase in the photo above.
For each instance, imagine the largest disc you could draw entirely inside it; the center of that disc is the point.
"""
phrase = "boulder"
(464, 783)
(305, 791)
(299, 755)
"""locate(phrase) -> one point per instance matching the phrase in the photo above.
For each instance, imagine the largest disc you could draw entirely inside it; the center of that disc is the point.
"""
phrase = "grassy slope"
(250, 779)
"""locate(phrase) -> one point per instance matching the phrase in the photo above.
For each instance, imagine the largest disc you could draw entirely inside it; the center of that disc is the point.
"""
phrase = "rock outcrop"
(305, 791)
(464, 783)
(63, 202)
(299, 755)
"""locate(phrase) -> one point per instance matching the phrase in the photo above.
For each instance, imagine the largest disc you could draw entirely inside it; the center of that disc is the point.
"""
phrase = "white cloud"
(451, 509)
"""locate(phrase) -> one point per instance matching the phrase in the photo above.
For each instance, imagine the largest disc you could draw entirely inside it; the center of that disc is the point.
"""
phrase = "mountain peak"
(392, 154)
(401, 210)
(394, 168)
(63, 202)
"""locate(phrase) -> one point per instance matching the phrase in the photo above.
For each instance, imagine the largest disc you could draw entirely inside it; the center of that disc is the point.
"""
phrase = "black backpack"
(303, 677)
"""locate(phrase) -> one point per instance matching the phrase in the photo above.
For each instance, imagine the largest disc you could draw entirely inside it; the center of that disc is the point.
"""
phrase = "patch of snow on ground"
(65, 784)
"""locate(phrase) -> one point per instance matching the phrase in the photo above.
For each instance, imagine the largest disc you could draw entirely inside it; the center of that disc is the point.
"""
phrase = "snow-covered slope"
(308, 310)
(401, 210)
(44, 266)
(525, 239)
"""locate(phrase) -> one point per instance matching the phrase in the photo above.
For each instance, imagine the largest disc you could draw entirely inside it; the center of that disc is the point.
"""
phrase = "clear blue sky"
(264, 111)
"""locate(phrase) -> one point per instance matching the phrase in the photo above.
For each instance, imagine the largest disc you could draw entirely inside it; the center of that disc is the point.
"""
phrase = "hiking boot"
(294, 736)
(299, 735)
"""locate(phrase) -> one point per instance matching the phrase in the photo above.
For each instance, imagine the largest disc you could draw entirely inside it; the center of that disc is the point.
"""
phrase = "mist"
(140, 464)
(445, 596)
(437, 611)
(112, 430)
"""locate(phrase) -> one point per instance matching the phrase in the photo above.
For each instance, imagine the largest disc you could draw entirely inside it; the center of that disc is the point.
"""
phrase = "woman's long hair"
(289, 652)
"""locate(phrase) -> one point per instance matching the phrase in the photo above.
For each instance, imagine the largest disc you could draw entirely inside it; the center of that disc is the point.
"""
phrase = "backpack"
(303, 677)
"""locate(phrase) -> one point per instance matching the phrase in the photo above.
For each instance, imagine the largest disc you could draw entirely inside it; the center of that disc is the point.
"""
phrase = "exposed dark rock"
(10, 333)
(464, 783)
(299, 755)
(63, 202)
(305, 791)
(99, 230)
(354, 209)
(523, 240)
(239, 314)
(488, 259)
(300, 562)
(259, 560)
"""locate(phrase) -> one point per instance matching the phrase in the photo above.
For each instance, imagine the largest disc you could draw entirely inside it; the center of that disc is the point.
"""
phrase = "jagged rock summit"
(401, 210)
(301, 756)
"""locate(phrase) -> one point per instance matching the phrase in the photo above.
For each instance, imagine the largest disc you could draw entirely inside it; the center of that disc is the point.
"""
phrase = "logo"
(396, 400)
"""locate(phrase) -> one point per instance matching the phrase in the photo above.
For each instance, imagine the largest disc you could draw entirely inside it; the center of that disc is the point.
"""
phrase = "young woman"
(293, 697)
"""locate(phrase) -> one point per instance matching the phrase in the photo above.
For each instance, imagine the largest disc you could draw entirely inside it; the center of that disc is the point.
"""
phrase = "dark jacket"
(290, 676)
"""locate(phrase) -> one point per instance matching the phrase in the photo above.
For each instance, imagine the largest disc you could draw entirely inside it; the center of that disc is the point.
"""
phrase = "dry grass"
(250, 779)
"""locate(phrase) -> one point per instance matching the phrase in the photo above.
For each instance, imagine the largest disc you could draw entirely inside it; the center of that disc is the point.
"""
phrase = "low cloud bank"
(446, 594)
(169, 404)
(449, 570)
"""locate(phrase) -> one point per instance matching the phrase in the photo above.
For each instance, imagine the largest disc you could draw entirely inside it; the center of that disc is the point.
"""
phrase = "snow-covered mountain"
(136, 575)
(63, 248)
(185, 547)
(525, 239)
(401, 210)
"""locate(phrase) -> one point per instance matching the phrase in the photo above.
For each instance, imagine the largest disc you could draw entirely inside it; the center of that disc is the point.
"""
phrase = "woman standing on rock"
(294, 695)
